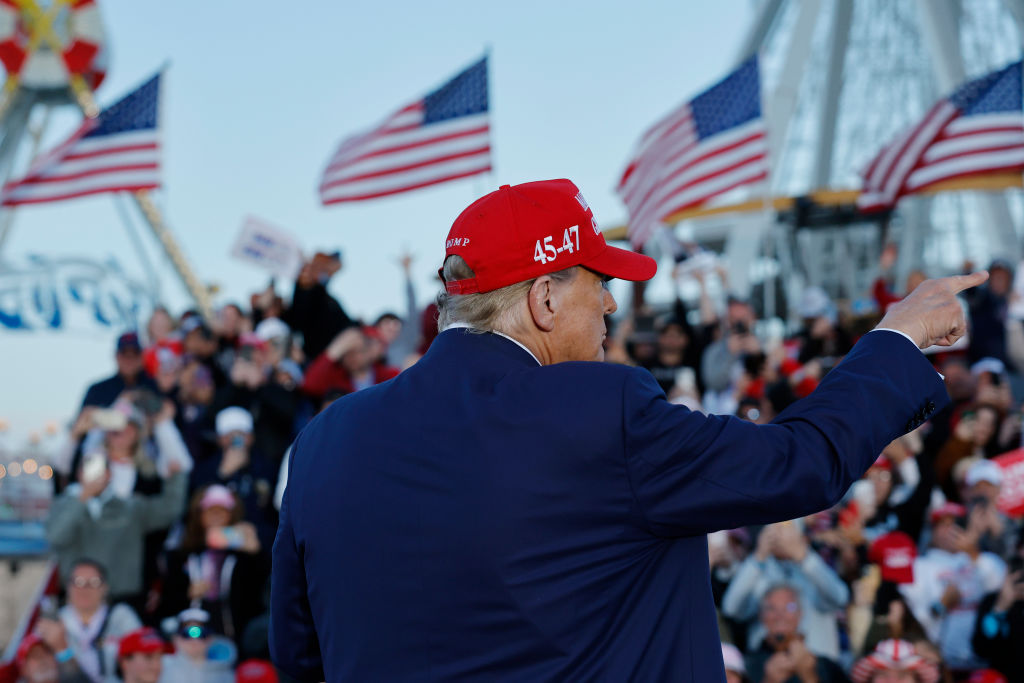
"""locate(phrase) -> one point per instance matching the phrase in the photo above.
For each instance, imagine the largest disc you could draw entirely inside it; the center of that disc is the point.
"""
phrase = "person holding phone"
(783, 554)
(218, 565)
(244, 470)
(783, 656)
(107, 513)
(949, 582)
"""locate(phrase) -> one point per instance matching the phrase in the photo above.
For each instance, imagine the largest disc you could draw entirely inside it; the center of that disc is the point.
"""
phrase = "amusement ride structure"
(840, 80)
(55, 56)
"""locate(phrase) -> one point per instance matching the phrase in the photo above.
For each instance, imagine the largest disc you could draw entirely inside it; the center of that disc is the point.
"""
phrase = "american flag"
(977, 129)
(444, 136)
(706, 147)
(119, 150)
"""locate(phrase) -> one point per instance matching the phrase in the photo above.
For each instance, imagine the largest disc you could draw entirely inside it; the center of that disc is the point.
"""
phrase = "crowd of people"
(169, 487)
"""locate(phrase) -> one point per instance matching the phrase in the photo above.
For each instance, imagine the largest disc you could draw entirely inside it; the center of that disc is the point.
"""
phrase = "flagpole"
(154, 218)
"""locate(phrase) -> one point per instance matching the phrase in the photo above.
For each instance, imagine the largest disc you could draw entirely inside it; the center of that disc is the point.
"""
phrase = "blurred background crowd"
(168, 486)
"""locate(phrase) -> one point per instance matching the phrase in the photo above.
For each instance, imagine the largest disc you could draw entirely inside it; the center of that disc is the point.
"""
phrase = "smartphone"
(94, 466)
(238, 441)
(109, 420)
(48, 608)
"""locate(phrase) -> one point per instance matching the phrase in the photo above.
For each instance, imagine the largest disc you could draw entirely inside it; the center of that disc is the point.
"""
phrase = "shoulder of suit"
(612, 376)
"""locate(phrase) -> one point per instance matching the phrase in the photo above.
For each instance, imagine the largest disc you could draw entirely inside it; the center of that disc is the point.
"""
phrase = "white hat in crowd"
(984, 470)
(234, 419)
(272, 328)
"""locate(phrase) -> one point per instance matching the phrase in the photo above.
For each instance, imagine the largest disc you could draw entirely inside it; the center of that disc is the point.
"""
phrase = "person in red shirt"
(349, 363)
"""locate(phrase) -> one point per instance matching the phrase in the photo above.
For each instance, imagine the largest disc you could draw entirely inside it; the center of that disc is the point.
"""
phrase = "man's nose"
(609, 303)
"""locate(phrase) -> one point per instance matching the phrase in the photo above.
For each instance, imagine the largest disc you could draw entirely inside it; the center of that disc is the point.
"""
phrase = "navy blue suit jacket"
(481, 517)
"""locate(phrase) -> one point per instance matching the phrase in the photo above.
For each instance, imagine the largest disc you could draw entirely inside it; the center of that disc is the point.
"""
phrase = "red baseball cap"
(145, 640)
(955, 510)
(521, 232)
(27, 643)
(255, 671)
(894, 552)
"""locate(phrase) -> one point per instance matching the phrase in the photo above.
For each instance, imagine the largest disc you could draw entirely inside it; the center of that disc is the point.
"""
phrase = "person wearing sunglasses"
(200, 655)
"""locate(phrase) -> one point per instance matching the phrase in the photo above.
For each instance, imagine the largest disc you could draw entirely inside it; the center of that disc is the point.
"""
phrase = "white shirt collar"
(467, 326)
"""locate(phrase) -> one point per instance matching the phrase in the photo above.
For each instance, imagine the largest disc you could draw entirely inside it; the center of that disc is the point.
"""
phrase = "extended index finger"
(959, 283)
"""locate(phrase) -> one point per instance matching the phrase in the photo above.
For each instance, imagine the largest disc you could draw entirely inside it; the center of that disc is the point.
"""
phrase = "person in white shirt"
(92, 627)
(949, 582)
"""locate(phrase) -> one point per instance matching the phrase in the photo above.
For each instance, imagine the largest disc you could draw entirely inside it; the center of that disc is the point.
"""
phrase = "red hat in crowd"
(954, 510)
(27, 643)
(521, 232)
(144, 640)
(163, 354)
(255, 671)
(894, 552)
(372, 332)
(793, 370)
(894, 655)
(252, 339)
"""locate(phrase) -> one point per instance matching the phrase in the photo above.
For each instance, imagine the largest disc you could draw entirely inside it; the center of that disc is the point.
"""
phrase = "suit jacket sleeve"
(692, 474)
(294, 647)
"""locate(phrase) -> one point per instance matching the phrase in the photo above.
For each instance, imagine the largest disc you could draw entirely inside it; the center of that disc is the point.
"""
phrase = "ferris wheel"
(841, 79)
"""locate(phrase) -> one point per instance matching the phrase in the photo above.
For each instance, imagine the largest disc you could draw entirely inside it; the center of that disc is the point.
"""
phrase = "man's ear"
(539, 300)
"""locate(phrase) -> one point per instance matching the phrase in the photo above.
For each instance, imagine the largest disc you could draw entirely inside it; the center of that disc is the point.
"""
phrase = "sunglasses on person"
(86, 582)
(194, 632)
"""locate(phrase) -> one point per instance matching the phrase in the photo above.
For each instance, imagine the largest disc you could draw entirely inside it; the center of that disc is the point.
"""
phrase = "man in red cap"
(139, 656)
(509, 509)
(37, 663)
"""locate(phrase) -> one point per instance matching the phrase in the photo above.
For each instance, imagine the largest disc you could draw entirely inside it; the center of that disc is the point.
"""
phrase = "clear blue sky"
(258, 94)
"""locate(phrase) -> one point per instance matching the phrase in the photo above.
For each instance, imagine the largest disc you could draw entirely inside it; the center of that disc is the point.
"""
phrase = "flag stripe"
(745, 160)
(700, 193)
(433, 159)
(971, 143)
(50, 180)
(76, 188)
(409, 151)
(977, 129)
(119, 150)
(91, 163)
(707, 146)
(708, 166)
(692, 155)
(112, 150)
(1005, 159)
(415, 178)
(658, 162)
(129, 138)
(441, 137)
(406, 188)
(407, 139)
(906, 159)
